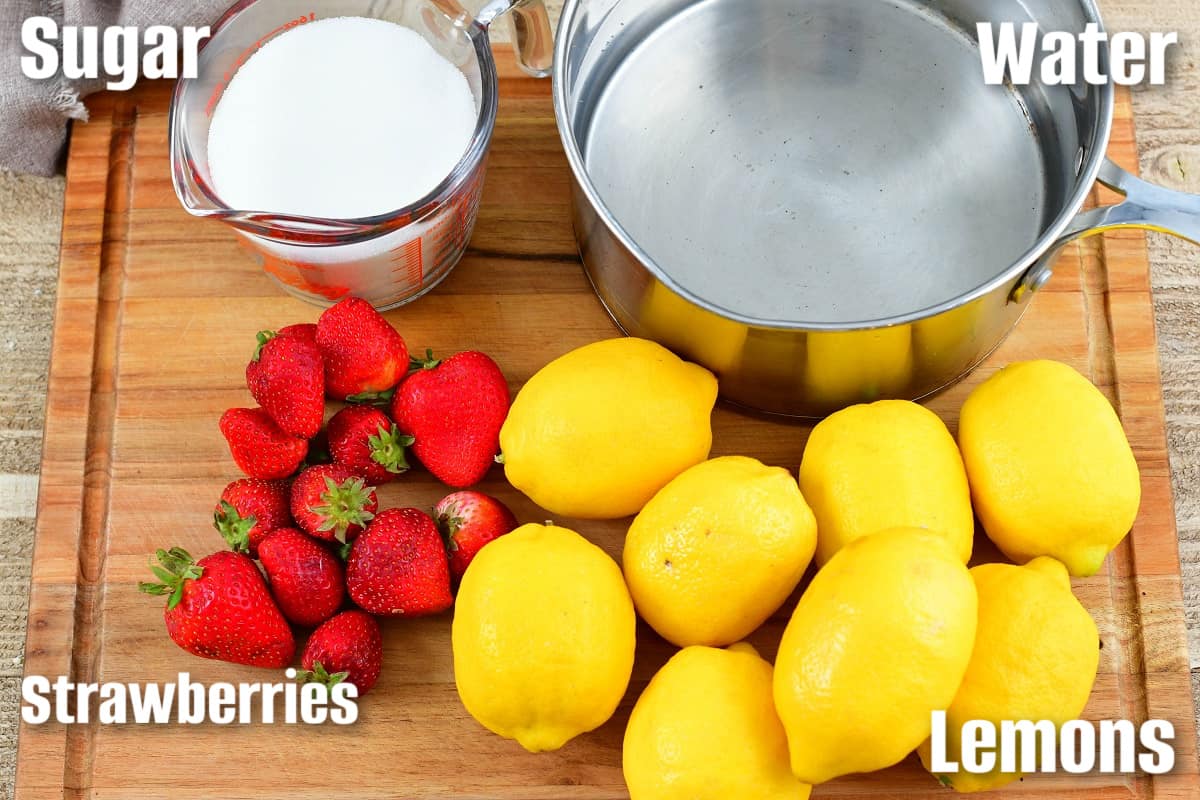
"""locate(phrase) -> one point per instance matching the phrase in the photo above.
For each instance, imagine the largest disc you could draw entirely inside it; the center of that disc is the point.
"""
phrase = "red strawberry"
(331, 502)
(469, 520)
(364, 355)
(219, 607)
(250, 509)
(347, 648)
(286, 376)
(454, 409)
(305, 330)
(365, 441)
(307, 580)
(258, 446)
(398, 566)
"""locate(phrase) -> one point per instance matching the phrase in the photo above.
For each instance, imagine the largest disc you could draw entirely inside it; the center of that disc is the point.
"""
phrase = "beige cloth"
(34, 114)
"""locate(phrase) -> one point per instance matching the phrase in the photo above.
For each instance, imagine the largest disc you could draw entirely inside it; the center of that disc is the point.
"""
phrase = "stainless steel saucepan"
(821, 200)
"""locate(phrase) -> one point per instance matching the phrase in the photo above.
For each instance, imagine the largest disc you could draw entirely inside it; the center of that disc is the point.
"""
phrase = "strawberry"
(467, 521)
(305, 330)
(398, 566)
(364, 355)
(286, 376)
(330, 502)
(259, 447)
(454, 409)
(307, 580)
(219, 607)
(250, 509)
(347, 648)
(365, 441)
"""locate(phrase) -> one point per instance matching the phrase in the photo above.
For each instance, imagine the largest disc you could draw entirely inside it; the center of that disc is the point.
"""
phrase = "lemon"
(884, 465)
(706, 729)
(692, 331)
(880, 639)
(852, 366)
(543, 637)
(1036, 654)
(1051, 471)
(717, 550)
(950, 342)
(595, 433)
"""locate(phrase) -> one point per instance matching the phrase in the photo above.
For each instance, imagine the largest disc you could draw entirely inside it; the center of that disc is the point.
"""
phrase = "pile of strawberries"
(308, 510)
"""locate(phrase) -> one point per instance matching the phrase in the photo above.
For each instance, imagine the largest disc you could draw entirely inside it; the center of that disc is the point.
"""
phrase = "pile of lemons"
(893, 625)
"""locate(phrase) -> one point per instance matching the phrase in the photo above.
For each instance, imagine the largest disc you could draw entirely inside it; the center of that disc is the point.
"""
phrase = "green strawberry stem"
(263, 337)
(233, 527)
(448, 523)
(318, 674)
(343, 505)
(378, 399)
(177, 567)
(429, 362)
(387, 449)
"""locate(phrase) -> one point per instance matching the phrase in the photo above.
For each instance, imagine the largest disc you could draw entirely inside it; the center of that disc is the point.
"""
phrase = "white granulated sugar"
(339, 118)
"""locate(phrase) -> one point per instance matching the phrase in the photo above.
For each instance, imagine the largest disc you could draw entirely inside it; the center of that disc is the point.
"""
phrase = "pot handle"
(533, 36)
(1146, 206)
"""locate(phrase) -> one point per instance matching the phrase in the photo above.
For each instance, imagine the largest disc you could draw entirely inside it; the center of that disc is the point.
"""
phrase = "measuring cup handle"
(533, 36)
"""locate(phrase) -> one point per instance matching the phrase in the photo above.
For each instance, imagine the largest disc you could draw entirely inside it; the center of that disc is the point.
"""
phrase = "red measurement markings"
(297, 274)
(244, 56)
(408, 262)
(448, 237)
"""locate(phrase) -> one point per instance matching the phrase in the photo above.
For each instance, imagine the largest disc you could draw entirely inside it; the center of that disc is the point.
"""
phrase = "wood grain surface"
(1168, 134)
(156, 315)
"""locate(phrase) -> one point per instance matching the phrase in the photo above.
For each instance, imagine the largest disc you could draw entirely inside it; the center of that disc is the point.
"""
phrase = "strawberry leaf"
(318, 674)
(429, 362)
(177, 567)
(343, 506)
(387, 449)
(263, 337)
(233, 527)
(378, 399)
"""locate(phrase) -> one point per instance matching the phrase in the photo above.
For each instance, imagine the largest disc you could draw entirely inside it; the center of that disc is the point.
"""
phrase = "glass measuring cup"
(391, 258)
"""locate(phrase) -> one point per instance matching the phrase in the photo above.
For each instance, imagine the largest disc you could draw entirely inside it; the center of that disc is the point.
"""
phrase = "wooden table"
(156, 315)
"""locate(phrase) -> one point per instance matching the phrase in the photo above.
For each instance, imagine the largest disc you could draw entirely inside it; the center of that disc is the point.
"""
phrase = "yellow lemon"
(692, 331)
(718, 550)
(595, 433)
(880, 639)
(1036, 654)
(1051, 471)
(949, 343)
(543, 637)
(888, 464)
(706, 729)
(850, 367)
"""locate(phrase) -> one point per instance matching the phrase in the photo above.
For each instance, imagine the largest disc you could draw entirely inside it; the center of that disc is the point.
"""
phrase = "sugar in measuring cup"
(387, 257)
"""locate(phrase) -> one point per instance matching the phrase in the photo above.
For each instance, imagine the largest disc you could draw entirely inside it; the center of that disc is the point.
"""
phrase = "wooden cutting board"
(156, 316)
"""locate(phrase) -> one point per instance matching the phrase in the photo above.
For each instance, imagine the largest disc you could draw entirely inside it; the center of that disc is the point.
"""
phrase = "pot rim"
(1050, 236)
